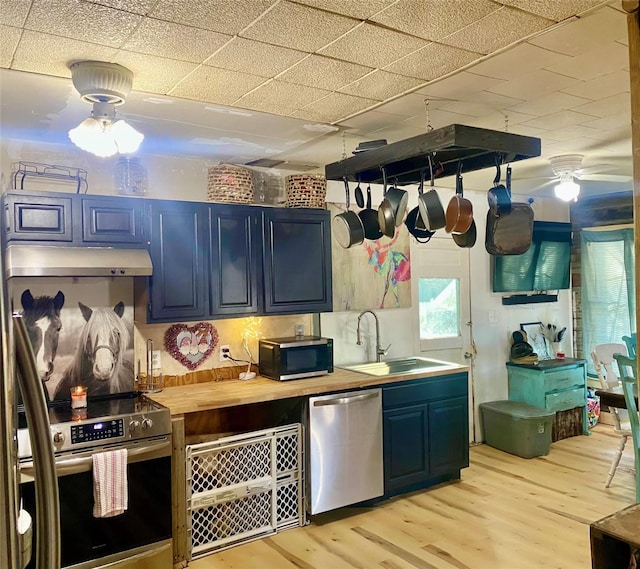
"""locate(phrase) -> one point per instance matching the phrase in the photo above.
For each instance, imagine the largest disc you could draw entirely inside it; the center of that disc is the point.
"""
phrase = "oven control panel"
(98, 431)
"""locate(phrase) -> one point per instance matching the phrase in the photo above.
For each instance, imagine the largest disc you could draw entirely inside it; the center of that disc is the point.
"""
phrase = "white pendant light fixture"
(567, 189)
(105, 85)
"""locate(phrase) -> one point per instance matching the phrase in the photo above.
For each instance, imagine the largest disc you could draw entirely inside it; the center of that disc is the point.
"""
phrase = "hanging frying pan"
(394, 205)
(414, 220)
(509, 234)
(499, 197)
(347, 226)
(468, 238)
(386, 217)
(369, 218)
(431, 210)
(459, 213)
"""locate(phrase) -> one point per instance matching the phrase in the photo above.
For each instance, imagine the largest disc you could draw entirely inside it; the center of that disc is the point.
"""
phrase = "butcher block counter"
(232, 393)
(201, 412)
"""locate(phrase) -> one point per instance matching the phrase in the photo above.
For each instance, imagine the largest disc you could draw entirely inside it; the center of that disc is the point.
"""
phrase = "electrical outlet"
(299, 330)
(224, 351)
(156, 361)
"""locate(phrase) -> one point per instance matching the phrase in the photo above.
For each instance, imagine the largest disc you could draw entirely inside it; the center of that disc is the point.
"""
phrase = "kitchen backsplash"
(81, 331)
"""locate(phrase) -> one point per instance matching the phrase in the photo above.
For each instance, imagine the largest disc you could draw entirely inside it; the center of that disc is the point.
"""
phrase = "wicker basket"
(230, 183)
(305, 190)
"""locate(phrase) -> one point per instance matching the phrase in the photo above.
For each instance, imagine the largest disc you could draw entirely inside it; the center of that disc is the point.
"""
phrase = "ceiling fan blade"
(605, 178)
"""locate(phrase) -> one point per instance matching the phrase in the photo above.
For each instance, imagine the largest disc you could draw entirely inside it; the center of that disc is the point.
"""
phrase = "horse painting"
(42, 320)
(98, 362)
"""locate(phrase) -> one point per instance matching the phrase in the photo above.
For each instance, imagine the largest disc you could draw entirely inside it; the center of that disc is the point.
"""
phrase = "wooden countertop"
(231, 393)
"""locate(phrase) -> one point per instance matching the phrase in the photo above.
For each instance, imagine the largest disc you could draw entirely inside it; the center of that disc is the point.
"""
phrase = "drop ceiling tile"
(612, 122)
(227, 17)
(50, 55)
(594, 63)
(548, 104)
(174, 41)
(409, 105)
(500, 29)
(216, 85)
(575, 131)
(608, 106)
(82, 21)
(298, 27)
(381, 85)
(431, 62)
(255, 57)
(585, 34)
(601, 87)
(553, 9)
(369, 122)
(373, 46)
(517, 61)
(560, 119)
(352, 8)
(10, 39)
(535, 85)
(280, 98)
(14, 12)
(334, 107)
(323, 73)
(459, 87)
(434, 19)
(154, 74)
(135, 6)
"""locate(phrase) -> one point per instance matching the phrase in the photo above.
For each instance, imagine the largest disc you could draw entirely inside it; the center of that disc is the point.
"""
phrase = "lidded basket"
(305, 190)
(230, 183)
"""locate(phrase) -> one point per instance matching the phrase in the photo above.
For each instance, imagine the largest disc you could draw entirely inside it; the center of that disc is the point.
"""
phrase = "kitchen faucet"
(379, 351)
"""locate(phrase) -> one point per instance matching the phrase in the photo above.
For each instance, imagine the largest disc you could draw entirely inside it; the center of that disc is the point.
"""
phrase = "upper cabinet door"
(112, 220)
(177, 287)
(234, 269)
(38, 218)
(296, 261)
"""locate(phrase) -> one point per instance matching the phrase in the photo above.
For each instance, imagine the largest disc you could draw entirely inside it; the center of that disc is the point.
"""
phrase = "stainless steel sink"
(399, 366)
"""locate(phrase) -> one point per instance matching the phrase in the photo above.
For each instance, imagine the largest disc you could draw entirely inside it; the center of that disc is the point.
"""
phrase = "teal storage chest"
(517, 428)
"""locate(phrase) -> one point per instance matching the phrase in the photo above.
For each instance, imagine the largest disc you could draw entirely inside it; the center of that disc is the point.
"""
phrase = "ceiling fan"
(567, 169)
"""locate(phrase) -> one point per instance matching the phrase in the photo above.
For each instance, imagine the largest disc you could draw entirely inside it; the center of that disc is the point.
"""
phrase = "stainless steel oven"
(144, 529)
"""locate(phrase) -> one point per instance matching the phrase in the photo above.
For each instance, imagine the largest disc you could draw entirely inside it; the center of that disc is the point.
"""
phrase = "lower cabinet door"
(406, 446)
(448, 435)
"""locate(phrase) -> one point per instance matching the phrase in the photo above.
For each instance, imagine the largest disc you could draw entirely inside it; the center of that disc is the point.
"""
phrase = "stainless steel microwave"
(295, 357)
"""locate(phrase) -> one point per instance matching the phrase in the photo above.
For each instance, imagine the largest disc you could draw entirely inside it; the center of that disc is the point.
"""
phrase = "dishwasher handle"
(346, 400)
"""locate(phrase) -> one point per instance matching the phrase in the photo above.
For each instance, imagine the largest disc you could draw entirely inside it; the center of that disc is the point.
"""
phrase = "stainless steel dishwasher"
(345, 449)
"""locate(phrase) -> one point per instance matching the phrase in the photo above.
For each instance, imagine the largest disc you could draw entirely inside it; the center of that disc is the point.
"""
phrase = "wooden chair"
(630, 342)
(603, 359)
(628, 374)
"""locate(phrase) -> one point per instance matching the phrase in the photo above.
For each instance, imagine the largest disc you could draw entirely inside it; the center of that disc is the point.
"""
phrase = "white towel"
(110, 488)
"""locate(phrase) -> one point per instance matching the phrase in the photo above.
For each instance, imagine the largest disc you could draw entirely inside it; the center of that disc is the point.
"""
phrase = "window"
(439, 308)
(607, 280)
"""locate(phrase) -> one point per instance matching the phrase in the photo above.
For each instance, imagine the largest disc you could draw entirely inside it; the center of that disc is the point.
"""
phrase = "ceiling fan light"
(127, 138)
(567, 190)
(93, 135)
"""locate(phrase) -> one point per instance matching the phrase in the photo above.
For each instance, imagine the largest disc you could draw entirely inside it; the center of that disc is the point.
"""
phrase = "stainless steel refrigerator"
(18, 371)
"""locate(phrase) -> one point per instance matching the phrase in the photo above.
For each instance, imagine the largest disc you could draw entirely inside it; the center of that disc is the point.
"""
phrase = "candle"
(78, 397)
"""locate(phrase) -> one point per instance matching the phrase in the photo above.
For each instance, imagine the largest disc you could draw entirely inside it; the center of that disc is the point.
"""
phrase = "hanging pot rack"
(476, 148)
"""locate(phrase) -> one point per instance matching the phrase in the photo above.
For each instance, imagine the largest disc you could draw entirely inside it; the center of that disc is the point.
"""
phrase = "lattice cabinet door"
(244, 487)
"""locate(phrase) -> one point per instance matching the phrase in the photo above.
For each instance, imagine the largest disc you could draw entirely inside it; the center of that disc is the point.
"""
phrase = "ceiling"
(303, 82)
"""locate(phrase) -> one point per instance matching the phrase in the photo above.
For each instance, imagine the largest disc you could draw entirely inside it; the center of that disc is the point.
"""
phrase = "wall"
(186, 179)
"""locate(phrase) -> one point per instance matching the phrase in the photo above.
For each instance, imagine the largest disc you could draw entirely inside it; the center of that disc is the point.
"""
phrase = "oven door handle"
(84, 463)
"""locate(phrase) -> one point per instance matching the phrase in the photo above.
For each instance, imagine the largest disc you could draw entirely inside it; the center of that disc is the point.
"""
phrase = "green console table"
(554, 385)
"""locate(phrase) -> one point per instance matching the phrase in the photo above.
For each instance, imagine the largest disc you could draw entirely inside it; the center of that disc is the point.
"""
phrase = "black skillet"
(369, 218)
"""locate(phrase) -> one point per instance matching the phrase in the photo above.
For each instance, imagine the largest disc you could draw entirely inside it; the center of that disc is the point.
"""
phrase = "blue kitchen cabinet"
(74, 219)
(234, 271)
(226, 260)
(176, 291)
(296, 259)
(425, 432)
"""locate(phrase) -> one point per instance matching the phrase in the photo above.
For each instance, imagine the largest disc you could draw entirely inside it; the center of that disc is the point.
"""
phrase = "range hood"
(475, 148)
(47, 261)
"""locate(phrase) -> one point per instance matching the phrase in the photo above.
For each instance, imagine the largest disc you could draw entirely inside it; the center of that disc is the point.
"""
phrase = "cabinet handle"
(345, 400)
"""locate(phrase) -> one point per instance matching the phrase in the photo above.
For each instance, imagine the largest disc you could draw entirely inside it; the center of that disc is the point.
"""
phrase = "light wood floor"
(505, 513)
